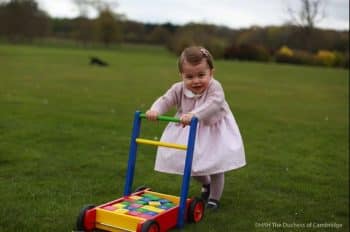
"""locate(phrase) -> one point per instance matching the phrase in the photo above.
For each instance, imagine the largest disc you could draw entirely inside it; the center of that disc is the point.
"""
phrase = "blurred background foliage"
(22, 21)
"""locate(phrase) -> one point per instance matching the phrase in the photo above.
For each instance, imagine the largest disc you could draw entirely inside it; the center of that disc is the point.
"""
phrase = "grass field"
(65, 128)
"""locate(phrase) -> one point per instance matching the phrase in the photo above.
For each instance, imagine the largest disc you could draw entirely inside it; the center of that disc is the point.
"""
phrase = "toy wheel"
(150, 226)
(140, 188)
(80, 220)
(196, 210)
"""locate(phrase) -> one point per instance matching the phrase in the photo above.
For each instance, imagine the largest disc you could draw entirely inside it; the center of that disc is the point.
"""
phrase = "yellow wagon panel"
(117, 221)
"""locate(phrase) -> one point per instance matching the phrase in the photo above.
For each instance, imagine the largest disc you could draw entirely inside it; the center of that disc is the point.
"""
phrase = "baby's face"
(196, 77)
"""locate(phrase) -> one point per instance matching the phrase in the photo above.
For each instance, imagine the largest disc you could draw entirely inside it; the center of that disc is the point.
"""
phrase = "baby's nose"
(196, 79)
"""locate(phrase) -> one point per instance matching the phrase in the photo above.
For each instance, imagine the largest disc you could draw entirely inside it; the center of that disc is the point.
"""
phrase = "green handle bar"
(163, 118)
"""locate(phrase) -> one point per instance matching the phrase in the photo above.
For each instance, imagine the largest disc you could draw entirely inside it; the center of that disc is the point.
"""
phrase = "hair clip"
(204, 52)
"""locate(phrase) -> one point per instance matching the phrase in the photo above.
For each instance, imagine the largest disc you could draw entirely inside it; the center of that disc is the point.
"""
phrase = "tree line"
(23, 21)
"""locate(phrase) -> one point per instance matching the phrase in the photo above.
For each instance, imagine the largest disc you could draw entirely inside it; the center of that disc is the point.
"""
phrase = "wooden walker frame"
(185, 209)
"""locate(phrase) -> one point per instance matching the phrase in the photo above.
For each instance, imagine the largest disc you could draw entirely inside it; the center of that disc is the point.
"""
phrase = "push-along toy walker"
(145, 210)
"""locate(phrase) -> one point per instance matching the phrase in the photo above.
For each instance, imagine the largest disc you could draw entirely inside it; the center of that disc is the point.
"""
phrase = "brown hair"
(194, 55)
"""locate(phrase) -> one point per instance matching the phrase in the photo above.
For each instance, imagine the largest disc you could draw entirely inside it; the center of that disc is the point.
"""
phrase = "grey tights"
(216, 182)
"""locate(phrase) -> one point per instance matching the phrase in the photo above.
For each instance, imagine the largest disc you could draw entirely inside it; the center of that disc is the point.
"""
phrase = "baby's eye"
(189, 77)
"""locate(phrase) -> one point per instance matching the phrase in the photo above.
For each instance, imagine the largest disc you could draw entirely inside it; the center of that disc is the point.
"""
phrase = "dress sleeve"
(167, 101)
(214, 102)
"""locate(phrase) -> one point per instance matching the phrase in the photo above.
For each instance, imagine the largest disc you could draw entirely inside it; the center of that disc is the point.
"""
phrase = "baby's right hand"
(152, 115)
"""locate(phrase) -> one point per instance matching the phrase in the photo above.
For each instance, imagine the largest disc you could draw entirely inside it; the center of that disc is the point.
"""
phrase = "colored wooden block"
(119, 206)
(125, 202)
(154, 203)
(130, 208)
(109, 208)
(141, 202)
(145, 199)
(169, 205)
(164, 201)
(151, 213)
(122, 211)
(141, 210)
(146, 216)
(134, 213)
(135, 205)
(164, 207)
(151, 196)
(153, 209)
(135, 197)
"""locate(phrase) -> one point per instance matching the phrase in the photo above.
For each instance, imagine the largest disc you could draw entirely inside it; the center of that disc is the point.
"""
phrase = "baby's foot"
(213, 204)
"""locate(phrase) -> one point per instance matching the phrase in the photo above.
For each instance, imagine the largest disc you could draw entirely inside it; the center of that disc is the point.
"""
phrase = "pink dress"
(218, 146)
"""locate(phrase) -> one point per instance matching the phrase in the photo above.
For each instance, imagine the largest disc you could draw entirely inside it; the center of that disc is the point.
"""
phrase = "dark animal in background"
(97, 61)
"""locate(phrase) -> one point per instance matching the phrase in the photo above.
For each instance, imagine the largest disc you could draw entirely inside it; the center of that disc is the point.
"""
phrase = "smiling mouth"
(197, 89)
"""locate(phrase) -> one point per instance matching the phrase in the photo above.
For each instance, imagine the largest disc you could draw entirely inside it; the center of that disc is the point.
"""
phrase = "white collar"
(188, 93)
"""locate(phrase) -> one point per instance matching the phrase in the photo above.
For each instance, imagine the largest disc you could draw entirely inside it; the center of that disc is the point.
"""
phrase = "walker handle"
(163, 118)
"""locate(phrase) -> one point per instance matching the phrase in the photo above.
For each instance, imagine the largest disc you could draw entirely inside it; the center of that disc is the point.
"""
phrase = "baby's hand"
(152, 115)
(186, 119)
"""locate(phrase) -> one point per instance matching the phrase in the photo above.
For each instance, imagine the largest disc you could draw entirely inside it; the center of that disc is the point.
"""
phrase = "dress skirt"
(218, 148)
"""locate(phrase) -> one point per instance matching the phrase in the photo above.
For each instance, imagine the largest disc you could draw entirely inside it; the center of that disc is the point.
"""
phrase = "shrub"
(341, 59)
(303, 57)
(326, 58)
(247, 52)
(346, 61)
(286, 55)
(231, 52)
(284, 50)
(216, 47)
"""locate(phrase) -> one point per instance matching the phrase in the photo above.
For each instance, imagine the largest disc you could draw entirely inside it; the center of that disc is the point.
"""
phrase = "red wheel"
(196, 210)
(150, 226)
(80, 226)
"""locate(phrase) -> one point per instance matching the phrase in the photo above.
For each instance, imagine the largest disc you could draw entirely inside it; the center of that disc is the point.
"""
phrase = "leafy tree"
(108, 27)
(22, 20)
(159, 35)
(133, 32)
(84, 30)
(205, 35)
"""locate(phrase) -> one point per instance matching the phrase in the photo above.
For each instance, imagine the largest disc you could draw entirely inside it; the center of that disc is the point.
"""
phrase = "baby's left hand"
(186, 119)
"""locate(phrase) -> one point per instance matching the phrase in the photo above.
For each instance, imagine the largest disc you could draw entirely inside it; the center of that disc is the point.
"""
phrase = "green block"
(150, 196)
(141, 202)
(169, 205)
(127, 203)
(141, 210)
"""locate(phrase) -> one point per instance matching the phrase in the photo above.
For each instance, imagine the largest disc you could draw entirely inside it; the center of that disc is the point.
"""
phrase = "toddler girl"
(219, 146)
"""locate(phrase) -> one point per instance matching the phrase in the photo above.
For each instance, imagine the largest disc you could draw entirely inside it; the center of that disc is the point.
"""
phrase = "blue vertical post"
(132, 154)
(187, 173)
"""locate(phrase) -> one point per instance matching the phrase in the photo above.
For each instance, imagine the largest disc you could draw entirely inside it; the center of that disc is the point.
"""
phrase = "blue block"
(150, 213)
(164, 201)
(163, 207)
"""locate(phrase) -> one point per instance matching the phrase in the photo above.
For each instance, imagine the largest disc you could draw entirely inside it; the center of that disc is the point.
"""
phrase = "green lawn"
(65, 128)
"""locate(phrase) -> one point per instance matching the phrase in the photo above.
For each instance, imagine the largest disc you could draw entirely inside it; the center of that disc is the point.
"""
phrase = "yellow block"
(119, 206)
(173, 199)
(154, 203)
(153, 209)
(121, 211)
(162, 144)
(135, 197)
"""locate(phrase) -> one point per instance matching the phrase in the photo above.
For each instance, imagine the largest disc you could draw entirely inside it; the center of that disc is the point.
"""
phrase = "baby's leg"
(216, 189)
(205, 181)
(217, 185)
